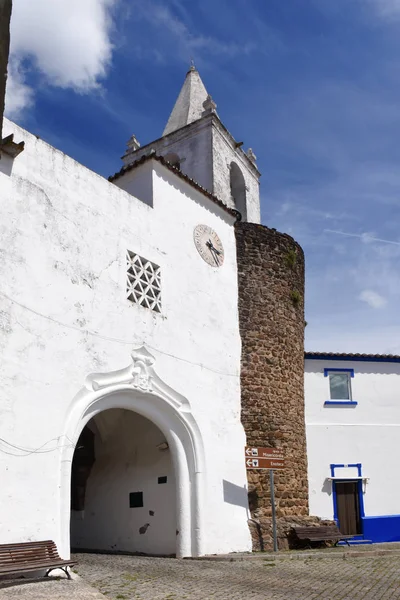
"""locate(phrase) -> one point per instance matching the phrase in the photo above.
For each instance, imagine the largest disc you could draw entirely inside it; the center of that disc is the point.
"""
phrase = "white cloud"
(67, 42)
(19, 94)
(186, 43)
(366, 238)
(372, 298)
(387, 9)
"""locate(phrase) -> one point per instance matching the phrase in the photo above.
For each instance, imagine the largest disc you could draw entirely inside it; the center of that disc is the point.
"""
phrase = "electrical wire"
(115, 340)
(28, 451)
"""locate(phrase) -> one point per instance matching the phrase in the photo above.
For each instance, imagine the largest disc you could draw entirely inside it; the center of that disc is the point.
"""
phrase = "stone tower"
(271, 316)
(196, 141)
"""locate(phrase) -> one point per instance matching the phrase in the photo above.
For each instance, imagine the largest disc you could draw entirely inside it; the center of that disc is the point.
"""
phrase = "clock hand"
(214, 256)
(213, 251)
(211, 246)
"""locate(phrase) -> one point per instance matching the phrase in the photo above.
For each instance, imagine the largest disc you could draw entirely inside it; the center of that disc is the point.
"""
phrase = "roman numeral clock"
(208, 245)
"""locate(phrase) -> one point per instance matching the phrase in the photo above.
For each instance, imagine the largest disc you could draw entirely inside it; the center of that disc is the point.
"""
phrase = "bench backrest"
(29, 552)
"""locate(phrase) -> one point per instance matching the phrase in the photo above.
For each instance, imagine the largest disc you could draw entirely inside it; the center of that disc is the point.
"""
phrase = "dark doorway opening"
(117, 504)
(348, 507)
(84, 457)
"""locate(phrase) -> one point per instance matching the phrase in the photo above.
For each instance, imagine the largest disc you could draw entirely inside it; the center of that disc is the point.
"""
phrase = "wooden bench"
(322, 533)
(31, 556)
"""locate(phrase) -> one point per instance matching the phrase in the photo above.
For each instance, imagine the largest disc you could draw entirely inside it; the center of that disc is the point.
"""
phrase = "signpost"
(263, 459)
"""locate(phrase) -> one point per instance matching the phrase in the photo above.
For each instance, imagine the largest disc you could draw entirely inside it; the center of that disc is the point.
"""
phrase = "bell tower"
(196, 142)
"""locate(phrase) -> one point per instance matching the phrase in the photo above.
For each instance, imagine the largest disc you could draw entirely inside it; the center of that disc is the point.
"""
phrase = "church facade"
(150, 328)
(120, 412)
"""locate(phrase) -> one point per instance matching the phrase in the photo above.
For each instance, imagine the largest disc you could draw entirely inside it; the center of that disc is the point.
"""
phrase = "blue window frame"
(340, 387)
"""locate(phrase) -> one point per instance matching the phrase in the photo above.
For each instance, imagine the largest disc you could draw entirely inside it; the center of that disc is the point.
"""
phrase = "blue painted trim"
(341, 402)
(361, 501)
(335, 515)
(353, 357)
(334, 466)
(328, 370)
(346, 401)
(383, 528)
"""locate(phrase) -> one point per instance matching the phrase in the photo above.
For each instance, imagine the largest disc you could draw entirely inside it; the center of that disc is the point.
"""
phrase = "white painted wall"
(367, 433)
(64, 232)
(127, 460)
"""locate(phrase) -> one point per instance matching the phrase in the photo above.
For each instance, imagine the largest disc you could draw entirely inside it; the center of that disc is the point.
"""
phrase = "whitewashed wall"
(64, 232)
(368, 433)
(127, 460)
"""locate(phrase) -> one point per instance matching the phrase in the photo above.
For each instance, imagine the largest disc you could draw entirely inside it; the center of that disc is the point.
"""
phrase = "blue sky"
(313, 86)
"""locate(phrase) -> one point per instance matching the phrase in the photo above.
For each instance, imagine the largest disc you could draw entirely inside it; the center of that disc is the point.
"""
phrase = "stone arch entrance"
(137, 388)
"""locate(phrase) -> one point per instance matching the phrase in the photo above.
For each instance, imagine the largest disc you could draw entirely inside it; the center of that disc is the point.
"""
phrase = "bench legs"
(65, 569)
(346, 541)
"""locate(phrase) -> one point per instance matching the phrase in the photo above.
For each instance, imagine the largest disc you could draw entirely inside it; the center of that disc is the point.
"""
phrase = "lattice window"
(143, 282)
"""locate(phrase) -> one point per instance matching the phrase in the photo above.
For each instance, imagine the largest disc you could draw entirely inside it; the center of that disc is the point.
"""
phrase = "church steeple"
(189, 104)
(196, 142)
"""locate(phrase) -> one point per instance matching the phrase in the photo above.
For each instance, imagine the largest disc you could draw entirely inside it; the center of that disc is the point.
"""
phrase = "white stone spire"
(189, 105)
(196, 143)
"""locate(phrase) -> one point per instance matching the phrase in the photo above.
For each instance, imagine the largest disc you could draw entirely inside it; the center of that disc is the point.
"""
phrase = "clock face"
(208, 245)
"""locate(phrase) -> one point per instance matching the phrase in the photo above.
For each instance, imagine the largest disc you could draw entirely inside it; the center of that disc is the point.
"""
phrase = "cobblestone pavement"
(144, 578)
(48, 589)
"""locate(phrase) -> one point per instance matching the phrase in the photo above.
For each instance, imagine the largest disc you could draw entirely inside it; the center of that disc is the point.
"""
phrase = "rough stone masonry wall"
(271, 314)
(5, 15)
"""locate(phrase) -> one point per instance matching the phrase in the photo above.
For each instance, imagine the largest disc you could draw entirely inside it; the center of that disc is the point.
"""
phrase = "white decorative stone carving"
(132, 144)
(137, 374)
(251, 155)
(209, 105)
(143, 283)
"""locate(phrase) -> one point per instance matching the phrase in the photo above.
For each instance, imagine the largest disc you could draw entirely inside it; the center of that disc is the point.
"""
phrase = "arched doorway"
(166, 416)
(123, 486)
(238, 189)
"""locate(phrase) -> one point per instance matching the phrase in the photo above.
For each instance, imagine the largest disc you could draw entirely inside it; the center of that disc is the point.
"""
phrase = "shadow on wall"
(234, 494)
(6, 164)
(327, 487)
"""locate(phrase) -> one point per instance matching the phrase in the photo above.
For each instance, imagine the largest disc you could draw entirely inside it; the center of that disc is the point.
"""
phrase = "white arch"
(238, 189)
(138, 388)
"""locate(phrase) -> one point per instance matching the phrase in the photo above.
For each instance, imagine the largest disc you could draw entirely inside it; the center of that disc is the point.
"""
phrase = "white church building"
(119, 338)
(122, 387)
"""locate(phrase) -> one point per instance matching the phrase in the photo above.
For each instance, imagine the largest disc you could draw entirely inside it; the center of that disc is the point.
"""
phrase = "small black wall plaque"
(162, 479)
(136, 499)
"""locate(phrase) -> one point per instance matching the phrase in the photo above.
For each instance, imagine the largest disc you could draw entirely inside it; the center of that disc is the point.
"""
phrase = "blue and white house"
(352, 404)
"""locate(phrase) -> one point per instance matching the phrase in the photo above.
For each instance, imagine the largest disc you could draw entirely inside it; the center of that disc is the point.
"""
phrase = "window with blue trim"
(340, 386)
